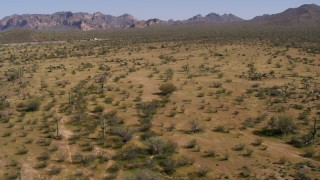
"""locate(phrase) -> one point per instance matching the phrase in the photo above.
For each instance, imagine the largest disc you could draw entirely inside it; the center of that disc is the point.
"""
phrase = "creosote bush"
(167, 89)
(280, 125)
(30, 105)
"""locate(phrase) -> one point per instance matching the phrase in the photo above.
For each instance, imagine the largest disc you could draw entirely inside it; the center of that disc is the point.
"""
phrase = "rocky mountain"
(86, 21)
(214, 18)
(150, 22)
(82, 21)
(308, 14)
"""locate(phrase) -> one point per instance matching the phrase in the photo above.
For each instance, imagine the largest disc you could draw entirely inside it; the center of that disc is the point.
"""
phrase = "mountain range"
(308, 14)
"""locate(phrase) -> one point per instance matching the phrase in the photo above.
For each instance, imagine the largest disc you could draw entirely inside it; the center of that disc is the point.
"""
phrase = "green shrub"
(280, 125)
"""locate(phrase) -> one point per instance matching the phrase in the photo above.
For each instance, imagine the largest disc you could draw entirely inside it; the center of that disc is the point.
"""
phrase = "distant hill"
(86, 21)
(308, 14)
(82, 21)
(214, 18)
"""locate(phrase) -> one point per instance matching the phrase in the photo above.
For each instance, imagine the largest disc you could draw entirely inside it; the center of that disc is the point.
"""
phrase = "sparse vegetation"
(161, 103)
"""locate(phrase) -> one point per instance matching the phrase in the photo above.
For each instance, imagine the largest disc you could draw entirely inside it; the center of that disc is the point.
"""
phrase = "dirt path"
(28, 171)
(66, 135)
(276, 146)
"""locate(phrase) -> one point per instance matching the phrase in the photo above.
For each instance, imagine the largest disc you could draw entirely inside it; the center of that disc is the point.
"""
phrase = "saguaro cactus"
(103, 125)
(57, 120)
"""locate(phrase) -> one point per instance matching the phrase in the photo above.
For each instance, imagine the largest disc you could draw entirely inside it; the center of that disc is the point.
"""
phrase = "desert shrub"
(143, 175)
(215, 85)
(54, 170)
(41, 165)
(194, 127)
(61, 158)
(124, 133)
(79, 158)
(3, 103)
(202, 171)
(301, 175)
(245, 172)
(147, 134)
(201, 94)
(108, 100)
(12, 163)
(129, 152)
(167, 89)
(184, 161)
(191, 144)
(225, 156)
(6, 134)
(309, 153)
(221, 128)
(44, 142)
(248, 123)
(30, 105)
(159, 146)
(257, 142)
(102, 157)
(248, 152)
(78, 175)
(113, 168)
(86, 146)
(12, 76)
(280, 125)
(148, 109)
(4, 119)
(98, 108)
(239, 147)
(299, 141)
(169, 73)
(22, 151)
(209, 153)
(112, 118)
(168, 165)
(43, 156)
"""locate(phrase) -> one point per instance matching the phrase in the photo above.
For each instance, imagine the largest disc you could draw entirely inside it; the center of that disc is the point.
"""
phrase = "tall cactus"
(103, 125)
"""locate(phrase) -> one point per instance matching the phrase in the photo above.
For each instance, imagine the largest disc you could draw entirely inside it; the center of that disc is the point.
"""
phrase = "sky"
(146, 9)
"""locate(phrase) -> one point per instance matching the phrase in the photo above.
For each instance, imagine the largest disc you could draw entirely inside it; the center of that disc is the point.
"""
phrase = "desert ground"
(243, 109)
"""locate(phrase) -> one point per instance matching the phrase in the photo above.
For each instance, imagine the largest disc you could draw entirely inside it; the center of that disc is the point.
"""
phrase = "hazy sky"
(145, 9)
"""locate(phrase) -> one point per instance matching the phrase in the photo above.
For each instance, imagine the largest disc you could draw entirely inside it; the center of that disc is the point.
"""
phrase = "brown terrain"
(184, 101)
